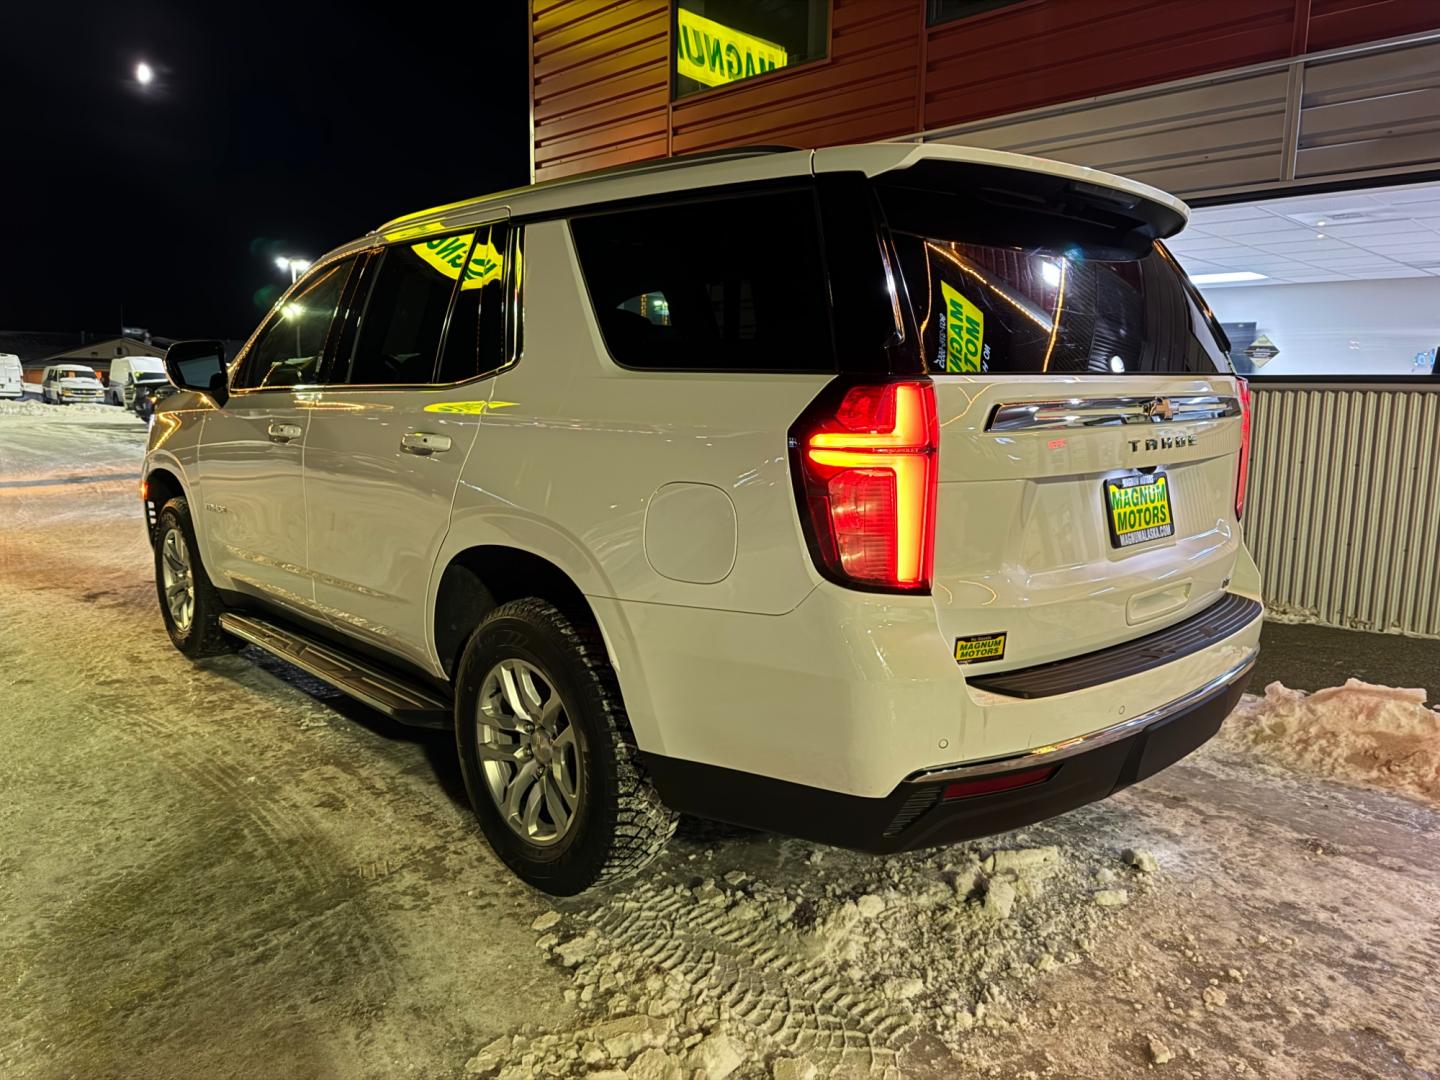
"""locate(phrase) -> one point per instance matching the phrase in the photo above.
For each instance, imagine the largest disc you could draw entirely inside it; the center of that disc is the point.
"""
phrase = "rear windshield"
(1056, 304)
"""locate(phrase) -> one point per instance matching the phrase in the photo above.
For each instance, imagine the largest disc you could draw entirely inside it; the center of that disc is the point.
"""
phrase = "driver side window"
(290, 350)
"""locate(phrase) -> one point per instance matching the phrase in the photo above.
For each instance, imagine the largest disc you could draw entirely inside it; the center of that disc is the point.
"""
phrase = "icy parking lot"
(231, 871)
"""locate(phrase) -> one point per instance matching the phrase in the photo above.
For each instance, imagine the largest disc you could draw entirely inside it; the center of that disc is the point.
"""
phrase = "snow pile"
(679, 976)
(1375, 735)
(39, 408)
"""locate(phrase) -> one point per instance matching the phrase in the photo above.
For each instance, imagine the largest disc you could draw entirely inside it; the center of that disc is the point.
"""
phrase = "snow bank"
(1361, 733)
(39, 408)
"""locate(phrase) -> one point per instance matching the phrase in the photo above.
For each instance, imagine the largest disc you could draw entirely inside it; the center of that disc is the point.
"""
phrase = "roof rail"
(634, 168)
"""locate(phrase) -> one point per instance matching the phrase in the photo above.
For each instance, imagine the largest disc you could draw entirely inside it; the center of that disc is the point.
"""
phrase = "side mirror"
(199, 365)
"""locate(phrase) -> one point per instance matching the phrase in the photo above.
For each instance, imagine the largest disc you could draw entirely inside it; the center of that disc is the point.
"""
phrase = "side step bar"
(395, 697)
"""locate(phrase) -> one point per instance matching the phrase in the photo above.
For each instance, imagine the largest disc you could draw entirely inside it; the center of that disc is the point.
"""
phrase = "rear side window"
(476, 340)
(733, 284)
(404, 315)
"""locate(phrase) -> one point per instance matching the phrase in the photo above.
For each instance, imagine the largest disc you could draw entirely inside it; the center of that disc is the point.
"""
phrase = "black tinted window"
(475, 342)
(724, 284)
(404, 315)
(290, 349)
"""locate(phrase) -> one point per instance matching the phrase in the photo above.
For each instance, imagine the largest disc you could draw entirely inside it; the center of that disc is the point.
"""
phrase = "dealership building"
(1305, 134)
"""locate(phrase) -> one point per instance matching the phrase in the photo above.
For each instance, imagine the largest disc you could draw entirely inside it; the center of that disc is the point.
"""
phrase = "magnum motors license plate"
(1138, 509)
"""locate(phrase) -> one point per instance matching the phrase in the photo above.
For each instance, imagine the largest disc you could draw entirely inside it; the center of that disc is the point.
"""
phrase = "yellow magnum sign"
(964, 333)
(1142, 507)
(979, 647)
(447, 254)
(712, 53)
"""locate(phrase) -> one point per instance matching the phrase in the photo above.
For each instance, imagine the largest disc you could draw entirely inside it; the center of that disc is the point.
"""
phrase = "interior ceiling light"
(1227, 278)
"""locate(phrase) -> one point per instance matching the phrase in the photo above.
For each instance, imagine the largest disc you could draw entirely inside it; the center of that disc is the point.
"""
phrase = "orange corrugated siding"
(601, 84)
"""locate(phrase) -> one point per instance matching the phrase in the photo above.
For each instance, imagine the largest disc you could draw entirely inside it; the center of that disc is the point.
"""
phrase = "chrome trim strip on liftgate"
(1099, 412)
(1081, 744)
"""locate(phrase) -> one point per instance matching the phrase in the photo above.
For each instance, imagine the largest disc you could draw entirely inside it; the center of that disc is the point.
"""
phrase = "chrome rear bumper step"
(390, 694)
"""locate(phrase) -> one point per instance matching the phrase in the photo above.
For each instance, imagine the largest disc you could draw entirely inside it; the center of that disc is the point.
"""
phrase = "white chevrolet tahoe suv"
(882, 495)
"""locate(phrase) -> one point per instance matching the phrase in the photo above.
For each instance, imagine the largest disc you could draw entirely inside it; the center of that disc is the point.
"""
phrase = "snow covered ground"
(230, 870)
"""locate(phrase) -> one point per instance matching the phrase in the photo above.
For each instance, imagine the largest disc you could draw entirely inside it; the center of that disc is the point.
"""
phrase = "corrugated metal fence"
(1344, 516)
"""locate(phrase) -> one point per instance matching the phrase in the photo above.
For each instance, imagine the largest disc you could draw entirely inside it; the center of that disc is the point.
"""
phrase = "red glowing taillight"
(867, 469)
(1242, 475)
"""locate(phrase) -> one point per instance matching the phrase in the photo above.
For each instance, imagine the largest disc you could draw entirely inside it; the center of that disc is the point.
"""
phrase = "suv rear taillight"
(866, 466)
(1242, 476)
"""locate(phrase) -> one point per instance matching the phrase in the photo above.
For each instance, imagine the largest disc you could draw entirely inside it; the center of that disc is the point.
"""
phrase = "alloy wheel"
(177, 578)
(527, 747)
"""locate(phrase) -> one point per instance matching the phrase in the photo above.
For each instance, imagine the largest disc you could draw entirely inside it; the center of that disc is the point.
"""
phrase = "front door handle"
(423, 442)
(283, 432)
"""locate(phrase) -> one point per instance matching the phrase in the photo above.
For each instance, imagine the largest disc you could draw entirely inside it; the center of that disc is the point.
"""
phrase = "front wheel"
(189, 604)
(546, 752)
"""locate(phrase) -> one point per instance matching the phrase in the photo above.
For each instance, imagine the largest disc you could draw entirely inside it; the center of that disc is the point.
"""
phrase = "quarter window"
(731, 284)
(291, 348)
(725, 41)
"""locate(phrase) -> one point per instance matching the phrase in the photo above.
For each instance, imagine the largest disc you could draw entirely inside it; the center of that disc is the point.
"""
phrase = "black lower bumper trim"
(1228, 615)
(915, 814)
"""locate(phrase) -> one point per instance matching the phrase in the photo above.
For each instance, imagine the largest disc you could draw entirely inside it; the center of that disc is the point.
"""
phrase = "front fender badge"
(977, 647)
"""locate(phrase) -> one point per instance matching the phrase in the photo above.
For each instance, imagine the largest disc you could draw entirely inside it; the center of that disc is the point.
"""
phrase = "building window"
(718, 42)
(943, 11)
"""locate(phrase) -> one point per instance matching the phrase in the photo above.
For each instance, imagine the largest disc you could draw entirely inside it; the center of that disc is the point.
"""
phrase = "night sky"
(267, 131)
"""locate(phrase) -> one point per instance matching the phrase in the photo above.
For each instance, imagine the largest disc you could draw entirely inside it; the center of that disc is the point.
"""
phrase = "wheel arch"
(162, 483)
(480, 577)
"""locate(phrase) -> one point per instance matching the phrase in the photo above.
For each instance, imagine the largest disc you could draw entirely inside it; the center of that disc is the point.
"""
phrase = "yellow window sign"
(964, 332)
(447, 254)
(714, 54)
(968, 650)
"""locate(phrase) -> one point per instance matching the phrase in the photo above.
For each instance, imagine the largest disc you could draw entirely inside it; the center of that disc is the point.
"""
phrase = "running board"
(395, 697)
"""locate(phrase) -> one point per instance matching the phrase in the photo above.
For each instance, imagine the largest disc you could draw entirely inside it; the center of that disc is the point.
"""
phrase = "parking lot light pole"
(295, 266)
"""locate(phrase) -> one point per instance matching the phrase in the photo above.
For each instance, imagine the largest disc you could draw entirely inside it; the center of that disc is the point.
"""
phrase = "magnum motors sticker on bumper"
(969, 650)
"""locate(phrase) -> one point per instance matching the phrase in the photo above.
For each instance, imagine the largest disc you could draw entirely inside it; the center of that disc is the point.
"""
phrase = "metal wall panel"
(1224, 132)
(1344, 505)
(1372, 111)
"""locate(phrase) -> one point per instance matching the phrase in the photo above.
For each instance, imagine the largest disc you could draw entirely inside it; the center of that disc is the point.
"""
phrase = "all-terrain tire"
(620, 824)
(203, 636)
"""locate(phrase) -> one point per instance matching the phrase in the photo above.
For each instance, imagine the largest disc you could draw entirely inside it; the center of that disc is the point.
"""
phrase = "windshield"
(151, 377)
(74, 373)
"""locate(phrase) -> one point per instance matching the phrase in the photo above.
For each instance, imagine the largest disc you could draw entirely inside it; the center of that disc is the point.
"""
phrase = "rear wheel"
(546, 752)
(189, 604)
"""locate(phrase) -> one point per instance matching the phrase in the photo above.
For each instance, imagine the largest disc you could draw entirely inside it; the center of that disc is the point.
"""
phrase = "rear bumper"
(916, 813)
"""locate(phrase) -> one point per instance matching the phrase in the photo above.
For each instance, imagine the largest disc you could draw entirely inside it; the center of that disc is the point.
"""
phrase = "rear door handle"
(283, 432)
(423, 442)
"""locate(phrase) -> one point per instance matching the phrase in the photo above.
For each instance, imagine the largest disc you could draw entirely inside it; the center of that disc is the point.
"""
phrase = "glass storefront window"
(718, 42)
(943, 11)
(1337, 284)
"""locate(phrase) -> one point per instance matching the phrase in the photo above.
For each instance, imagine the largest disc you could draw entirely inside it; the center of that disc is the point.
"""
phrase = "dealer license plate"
(1138, 509)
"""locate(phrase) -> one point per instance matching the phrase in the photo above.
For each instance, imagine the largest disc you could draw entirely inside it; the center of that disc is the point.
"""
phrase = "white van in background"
(126, 370)
(67, 383)
(12, 376)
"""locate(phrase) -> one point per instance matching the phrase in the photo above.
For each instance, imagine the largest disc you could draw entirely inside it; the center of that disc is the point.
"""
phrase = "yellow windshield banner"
(964, 332)
(447, 254)
(714, 54)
